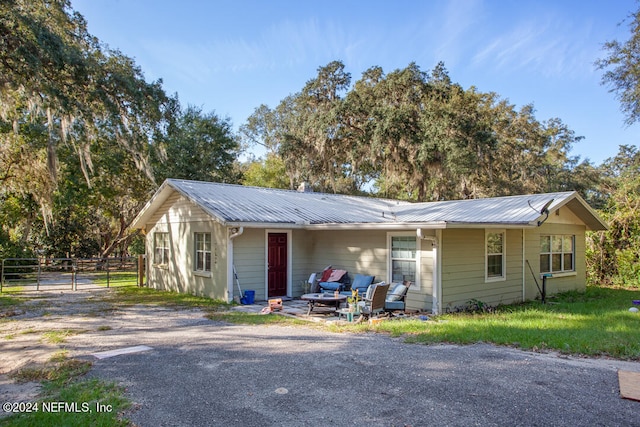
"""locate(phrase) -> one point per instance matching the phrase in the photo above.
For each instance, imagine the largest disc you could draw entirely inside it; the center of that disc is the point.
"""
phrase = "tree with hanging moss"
(60, 87)
(77, 120)
(415, 135)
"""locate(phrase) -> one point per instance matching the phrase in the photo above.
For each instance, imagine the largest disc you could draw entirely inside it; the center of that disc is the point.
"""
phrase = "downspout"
(235, 232)
(437, 274)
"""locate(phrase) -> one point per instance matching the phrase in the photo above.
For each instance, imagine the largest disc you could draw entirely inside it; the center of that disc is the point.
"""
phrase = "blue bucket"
(249, 297)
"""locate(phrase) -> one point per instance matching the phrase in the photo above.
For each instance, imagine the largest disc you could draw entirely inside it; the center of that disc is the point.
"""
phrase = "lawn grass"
(255, 319)
(9, 306)
(8, 300)
(137, 295)
(592, 323)
(59, 336)
(91, 401)
(116, 279)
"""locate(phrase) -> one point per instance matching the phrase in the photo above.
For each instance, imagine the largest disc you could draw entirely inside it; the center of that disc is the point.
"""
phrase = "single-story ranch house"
(492, 250)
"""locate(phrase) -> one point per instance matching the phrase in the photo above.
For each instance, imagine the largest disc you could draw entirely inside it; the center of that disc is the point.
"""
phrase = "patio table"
(323, 299)
(349, 315)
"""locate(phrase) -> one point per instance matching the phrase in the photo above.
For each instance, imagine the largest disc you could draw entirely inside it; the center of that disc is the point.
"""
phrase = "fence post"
(141, 269)
(2, 277)
(74, 278)
(107, 266)
(39, 272)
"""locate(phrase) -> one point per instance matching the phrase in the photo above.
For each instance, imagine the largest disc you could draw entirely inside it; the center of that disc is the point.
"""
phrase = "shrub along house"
(492, 250)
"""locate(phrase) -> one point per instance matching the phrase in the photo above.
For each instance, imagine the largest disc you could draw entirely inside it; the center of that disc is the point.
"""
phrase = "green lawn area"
(592, 323)
(101, 402)
(115, 278)
(137, 295)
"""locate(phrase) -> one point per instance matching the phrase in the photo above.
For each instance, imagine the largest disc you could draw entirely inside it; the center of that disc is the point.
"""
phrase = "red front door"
(277, 264)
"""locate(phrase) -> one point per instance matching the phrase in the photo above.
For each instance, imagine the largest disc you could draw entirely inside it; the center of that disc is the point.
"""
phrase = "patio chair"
(333, 280)
(396, 298)
(360, 283)
(374, 300)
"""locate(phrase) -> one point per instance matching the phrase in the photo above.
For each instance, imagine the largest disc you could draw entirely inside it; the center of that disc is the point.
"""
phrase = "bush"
(12, 249)
(628, 268)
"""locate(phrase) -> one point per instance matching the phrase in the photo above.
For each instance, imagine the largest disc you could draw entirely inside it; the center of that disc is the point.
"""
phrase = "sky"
(230, 57)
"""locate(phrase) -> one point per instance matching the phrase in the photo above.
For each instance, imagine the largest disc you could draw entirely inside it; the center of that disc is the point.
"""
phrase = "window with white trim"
(403, 259)
(161, 248)
(495, 248)
(202, 251)
(557, 254)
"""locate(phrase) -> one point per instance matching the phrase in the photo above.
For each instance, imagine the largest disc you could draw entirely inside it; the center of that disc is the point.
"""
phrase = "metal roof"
(236, 205)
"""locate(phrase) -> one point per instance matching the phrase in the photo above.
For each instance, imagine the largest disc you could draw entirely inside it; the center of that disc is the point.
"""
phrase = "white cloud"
(549, 47)
(285, 44)
(457, 29)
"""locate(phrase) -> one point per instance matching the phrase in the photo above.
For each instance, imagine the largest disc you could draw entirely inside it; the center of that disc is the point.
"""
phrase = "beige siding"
(463, 269)
(302, 260)
(561, 282)
(422, 299)
(181, 219)
(354, 251)
(463, 264)
(178, 208)
(366, 252)
(249, 259)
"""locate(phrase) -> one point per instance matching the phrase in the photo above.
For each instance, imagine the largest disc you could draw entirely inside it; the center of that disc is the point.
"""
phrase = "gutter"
(435, 225)
(338, 226)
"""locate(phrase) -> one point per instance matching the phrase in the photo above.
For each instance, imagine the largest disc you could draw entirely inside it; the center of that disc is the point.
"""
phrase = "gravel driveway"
(200, 372)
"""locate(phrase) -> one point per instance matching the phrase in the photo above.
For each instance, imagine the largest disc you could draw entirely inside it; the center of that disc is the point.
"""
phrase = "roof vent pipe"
(304, 188)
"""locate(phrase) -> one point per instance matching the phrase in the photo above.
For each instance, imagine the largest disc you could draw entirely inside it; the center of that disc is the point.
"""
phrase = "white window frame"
(164, 247)
(487, 254)
(415, 285)
(562, 253)
(205, 253)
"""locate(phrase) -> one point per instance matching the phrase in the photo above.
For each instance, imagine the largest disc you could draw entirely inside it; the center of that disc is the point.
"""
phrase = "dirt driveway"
(200, 372)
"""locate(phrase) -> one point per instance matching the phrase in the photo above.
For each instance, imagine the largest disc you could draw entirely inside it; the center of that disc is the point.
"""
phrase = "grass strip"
(147, 296)
(255, 319)
(592, 323)
(69, 400)
(59, 336)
